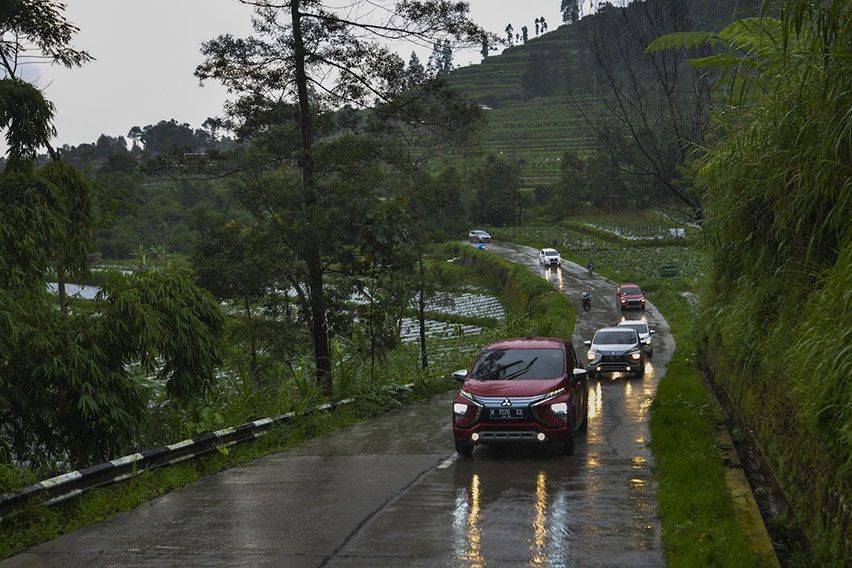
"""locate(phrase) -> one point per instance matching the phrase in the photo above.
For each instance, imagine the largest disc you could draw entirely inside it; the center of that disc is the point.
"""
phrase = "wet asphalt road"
(390, 492)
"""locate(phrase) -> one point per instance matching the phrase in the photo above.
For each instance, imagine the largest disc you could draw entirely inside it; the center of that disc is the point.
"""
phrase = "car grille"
(495, 435)
(517, 401)
(613, 358)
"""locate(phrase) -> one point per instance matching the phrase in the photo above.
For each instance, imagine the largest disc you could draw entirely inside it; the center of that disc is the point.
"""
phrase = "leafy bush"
(777, 319)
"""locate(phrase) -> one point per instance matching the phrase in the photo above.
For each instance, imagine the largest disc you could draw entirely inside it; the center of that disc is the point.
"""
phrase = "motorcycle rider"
(587, 299)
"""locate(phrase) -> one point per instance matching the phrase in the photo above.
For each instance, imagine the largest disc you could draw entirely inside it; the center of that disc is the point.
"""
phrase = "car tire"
(650, 353)
(464, 448)
(567, 447)
(585, 425)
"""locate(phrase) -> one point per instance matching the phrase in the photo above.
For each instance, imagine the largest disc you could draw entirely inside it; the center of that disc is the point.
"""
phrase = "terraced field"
(537, 131)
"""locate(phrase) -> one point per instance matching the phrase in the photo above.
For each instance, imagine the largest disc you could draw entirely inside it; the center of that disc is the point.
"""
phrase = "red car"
(521, 390)
(630, 296)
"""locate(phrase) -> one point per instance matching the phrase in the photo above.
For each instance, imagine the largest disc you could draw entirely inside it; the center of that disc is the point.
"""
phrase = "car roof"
(633, 322)
(628, 284)
(548, 250)
(478, 231)
(528, 343)
(612, 329)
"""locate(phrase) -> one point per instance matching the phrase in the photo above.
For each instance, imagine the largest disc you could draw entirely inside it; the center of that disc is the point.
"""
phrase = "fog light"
(599, 368)
(475, 436)
(541, 437)
(628, 367)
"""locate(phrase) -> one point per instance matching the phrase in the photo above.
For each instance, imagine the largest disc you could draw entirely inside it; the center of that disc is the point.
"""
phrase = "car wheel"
(585, 425)
(464, 448)
(650, 352)
(567, 447)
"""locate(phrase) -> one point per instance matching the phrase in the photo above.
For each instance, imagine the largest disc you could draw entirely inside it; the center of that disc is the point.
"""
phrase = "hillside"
(537, 130)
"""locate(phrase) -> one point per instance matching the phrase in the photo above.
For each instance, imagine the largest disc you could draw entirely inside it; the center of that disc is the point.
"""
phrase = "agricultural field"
(636, 225)
(538, 130)
(627, 263)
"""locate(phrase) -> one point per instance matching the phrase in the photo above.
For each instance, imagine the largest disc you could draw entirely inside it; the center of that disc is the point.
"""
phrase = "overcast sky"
(146, 52)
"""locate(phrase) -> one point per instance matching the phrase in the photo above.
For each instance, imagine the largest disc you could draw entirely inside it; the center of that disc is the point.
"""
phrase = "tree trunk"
(252, 342)
(319, 330)
(63, 297)
(421, 303)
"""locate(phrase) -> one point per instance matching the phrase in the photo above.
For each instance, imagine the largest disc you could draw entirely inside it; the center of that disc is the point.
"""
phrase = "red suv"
(521, 390)
(630, 296)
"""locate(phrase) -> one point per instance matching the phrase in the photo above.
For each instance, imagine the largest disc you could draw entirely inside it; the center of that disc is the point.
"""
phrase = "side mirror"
(580, 375)
(587, 343)
(653, 331)
(460, 375)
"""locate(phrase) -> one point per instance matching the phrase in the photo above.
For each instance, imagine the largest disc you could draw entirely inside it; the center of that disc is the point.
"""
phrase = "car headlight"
(591, 355)
(466, 395)
(636, 355)
(560, 409)
(459, 410)
(647, 341)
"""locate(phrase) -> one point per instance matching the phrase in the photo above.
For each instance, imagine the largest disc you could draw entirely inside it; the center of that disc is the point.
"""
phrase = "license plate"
(507, 413)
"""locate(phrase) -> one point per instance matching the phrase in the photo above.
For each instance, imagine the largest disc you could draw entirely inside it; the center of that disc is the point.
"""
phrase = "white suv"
(644, 332)
(549, 257)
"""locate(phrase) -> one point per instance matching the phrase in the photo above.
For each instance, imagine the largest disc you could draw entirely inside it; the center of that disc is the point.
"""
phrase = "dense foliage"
(777, 320)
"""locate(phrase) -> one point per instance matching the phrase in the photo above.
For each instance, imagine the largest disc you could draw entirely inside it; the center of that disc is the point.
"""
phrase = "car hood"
(633, 296)
(614, 349)
(512, 388)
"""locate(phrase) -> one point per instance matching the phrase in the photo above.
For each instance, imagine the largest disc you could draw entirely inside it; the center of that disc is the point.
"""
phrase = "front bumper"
(496, 432)
(552, 262)
(614, 366)
(632, 305)
(537, 425)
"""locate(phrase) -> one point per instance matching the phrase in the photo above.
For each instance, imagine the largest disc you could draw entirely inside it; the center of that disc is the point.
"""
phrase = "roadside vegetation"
(776, 319)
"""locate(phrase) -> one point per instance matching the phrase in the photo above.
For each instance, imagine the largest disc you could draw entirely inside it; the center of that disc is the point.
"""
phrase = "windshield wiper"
(500, 369)
(520, 372)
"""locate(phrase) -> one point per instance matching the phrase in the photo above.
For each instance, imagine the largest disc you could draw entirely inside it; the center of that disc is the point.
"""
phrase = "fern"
(682, 40)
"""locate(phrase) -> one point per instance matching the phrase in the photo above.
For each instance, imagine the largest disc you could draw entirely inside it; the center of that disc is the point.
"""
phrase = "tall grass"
(777, 320)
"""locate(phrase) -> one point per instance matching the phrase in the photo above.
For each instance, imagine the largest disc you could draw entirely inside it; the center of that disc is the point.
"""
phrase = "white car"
(549, 257)
(478, 236)
(615, 350)
(644, 332)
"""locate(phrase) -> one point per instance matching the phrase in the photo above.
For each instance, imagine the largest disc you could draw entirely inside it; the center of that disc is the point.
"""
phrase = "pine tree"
(570, 11)
(510, 33)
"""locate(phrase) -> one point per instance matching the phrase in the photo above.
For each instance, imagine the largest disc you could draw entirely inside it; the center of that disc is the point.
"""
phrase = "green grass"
(699, 524)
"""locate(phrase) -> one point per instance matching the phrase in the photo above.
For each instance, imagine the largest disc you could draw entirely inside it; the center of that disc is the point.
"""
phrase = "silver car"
(479, 236)
(644, 332)
(615, 350)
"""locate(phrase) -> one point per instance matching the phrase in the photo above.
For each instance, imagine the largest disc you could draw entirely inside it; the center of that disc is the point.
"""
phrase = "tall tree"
(525, 34)
(498, 185)
(543, 24)
(306, 53)
(510, 34)
(416, 73)
(537, 27)
(654, 107)
(570, 11)
(66, 392)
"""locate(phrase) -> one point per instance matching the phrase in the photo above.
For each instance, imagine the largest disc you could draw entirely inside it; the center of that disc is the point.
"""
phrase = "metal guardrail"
(74, 483)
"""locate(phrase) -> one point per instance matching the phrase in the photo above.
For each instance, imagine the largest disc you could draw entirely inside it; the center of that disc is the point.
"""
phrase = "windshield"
(642, 328)
(523, 364)
(615, 337)
(634, 291)
(551, 253)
